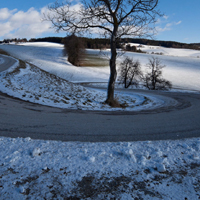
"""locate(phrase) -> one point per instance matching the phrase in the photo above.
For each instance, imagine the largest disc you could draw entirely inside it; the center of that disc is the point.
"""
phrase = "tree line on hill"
(16, 40)
(101, 43)
(169, 44)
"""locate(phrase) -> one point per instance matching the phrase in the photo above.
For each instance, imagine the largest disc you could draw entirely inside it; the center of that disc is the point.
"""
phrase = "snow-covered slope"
(32, 84)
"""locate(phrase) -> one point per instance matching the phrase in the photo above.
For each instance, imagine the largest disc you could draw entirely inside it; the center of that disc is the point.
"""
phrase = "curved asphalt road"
(8, 61)
(23, 119)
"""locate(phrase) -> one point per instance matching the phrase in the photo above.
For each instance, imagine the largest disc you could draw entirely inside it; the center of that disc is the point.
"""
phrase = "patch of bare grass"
(22, 65)
(4, 52)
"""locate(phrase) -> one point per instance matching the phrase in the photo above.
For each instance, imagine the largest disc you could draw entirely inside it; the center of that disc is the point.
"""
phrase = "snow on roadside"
(34, 85)
(12, 68)
(37, 169)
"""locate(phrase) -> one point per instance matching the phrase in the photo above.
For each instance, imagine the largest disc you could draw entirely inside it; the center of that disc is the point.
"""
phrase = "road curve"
(23, 119)
(8, 62)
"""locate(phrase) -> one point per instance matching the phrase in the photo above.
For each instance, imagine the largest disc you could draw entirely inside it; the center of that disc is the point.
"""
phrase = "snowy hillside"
(34, 85)
(182, 67)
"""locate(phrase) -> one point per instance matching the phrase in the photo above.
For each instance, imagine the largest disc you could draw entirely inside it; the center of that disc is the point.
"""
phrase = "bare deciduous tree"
(116, 18)
(153, 79)
(129, 73)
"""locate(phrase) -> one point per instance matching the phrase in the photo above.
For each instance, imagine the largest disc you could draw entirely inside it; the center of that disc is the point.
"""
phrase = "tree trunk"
(113, 72)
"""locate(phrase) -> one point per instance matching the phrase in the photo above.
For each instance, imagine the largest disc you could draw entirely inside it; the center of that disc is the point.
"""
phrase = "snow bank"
(37, 169)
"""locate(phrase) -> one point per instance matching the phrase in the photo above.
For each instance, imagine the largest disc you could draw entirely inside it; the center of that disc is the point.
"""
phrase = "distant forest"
(100, 43)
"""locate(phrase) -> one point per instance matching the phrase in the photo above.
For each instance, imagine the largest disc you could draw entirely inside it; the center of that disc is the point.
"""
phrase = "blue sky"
(20, 18)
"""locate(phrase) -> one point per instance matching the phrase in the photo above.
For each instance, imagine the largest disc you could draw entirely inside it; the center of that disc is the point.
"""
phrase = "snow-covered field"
(167, 51)
(49, 57)
(36, 169)
(182, 65)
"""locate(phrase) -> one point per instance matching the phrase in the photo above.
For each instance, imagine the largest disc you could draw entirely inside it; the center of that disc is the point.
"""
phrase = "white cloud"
(169, 24)
(162, 20)
(165, 17)
(166, 26)
(20, 24)
(159, 29)
(5, 28)
(178, 22)
(5, 13)
(158, 21)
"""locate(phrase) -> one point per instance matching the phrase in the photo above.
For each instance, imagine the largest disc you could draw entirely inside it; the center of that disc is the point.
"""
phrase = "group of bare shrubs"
(130, 73)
